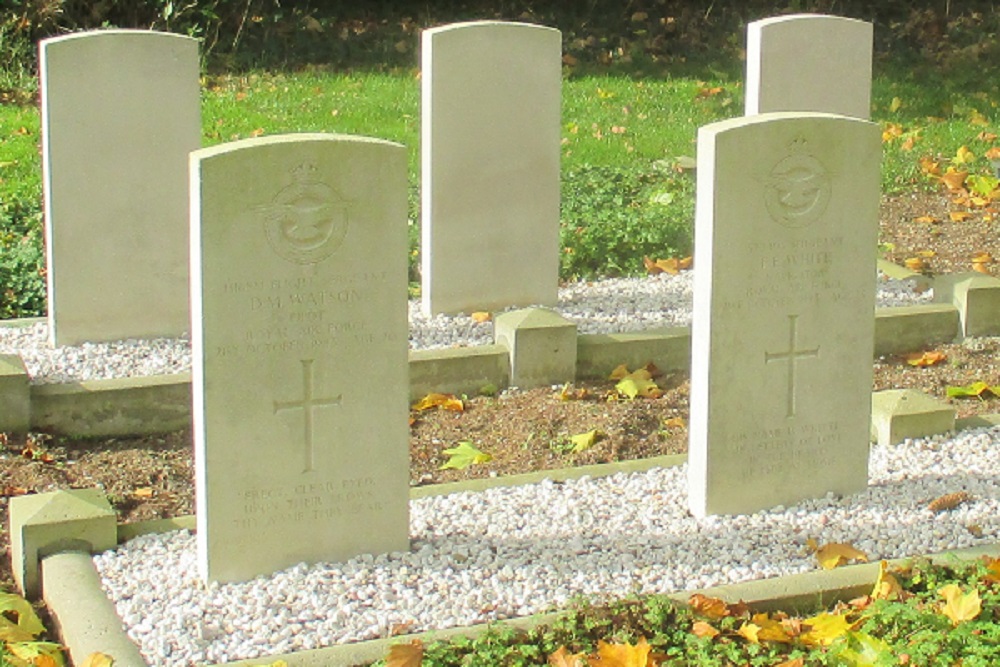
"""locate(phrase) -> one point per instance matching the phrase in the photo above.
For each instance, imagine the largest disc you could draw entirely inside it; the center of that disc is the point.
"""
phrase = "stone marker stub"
(783, 316)
(490, 142)
(809, 62)
(300, 390)
(120, 113)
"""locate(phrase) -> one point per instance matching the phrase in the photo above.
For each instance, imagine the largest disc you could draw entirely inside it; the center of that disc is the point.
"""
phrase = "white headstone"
(120, 113)
(299, 339)
(783, 320)
(491, 95)
(809, 62)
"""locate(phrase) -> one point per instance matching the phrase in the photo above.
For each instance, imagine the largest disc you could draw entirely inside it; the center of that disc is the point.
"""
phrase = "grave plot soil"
(151, 477)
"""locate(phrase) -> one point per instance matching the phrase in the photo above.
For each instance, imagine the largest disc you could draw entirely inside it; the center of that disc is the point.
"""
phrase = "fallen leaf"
(638, 383)
(963, 156)
(405, 655)
(930, 166)
(714, 608)
(674, 422)
(617, 129)
(481, 316)
(976, 389)
(98, 660)
(891, 131)
(953, 179)
(993, 570)
(18, 621)
(989, 137)
(704, 629)
(836, 554)
(993, 153)
(620, 371)
(770, 629)
(622, 655)
(794, 662)
(948, 501)
(927, 219)
(895, 105)
(958, 606)
(924, 359)
(886, 586)
(584, 441)
(824, 628)
(143, 492)
(569, 60)
(463, 456)
(258, 132)
(563, 658)
(443, 401)
(915, 264)
(959, 216)
(909, 143)
(749, 632)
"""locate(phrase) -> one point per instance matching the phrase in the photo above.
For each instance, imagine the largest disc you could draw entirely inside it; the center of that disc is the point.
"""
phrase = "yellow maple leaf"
(959, 216)
(563, 658)
(958, 606)
(405, 655)
(481, 316)
(954, 179)
(836, 554)
(770, 629)
(443, 401)
(963, 156)
(886, 586)
(824, 628)
(622, 655)
(584, 441)
(924, 359)
(749, 632)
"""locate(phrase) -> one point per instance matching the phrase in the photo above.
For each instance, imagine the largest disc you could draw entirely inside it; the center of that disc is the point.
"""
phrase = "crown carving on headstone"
(304, 172)
(798, 146)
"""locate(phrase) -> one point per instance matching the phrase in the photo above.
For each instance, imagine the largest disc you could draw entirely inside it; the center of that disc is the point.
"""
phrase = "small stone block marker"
(300, 352)
(809, 62)
(490, 144)
(120, 113)
(783, 319)
(898, 414)
(977, 297)
(542, 346)
(47, 523)
(15, 395)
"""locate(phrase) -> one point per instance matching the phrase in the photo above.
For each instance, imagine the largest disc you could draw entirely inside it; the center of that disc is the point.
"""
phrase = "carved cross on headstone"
(307, 404)
(791, 355)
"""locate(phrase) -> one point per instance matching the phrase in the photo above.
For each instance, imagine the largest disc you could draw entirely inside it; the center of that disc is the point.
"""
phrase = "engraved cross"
(791, 355)
(307, 404)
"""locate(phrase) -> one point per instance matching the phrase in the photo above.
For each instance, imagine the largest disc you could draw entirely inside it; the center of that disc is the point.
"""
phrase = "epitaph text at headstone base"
(490, 147)
(809, 62)
(783, 320)
(300, 352)
(120, 113)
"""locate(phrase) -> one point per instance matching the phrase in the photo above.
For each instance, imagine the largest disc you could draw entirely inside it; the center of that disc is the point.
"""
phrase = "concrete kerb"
(158, 404)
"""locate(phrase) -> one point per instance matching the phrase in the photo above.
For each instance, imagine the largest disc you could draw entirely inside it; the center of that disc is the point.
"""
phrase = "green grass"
(622, 136)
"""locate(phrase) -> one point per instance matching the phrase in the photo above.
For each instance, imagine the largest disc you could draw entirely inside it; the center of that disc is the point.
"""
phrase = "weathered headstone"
(783, 319)
(809, 62)
(300, 351)
(120, 113)
(490, 138)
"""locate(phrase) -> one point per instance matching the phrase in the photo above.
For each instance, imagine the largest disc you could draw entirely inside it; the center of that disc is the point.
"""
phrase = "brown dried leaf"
(405, 655)
(713, 608)
(953, 179)
(948, 501)
(959, 216)
(924, 359)
(703, 629)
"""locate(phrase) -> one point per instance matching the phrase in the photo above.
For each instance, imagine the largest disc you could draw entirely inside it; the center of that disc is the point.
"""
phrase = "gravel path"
(607, 306)
(507, 552)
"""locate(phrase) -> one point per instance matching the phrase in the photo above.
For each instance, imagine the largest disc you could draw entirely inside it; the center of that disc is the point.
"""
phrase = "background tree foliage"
(350, 34)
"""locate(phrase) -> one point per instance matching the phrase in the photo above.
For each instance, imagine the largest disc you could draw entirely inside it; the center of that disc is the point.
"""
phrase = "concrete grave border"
(87, 621)
(162, 403)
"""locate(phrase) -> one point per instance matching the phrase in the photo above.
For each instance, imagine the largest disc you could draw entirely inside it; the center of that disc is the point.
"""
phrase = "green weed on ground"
(932, 614)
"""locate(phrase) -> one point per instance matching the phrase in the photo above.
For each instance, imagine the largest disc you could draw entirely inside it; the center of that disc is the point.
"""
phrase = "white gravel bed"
(606, 306)
(508, 552)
